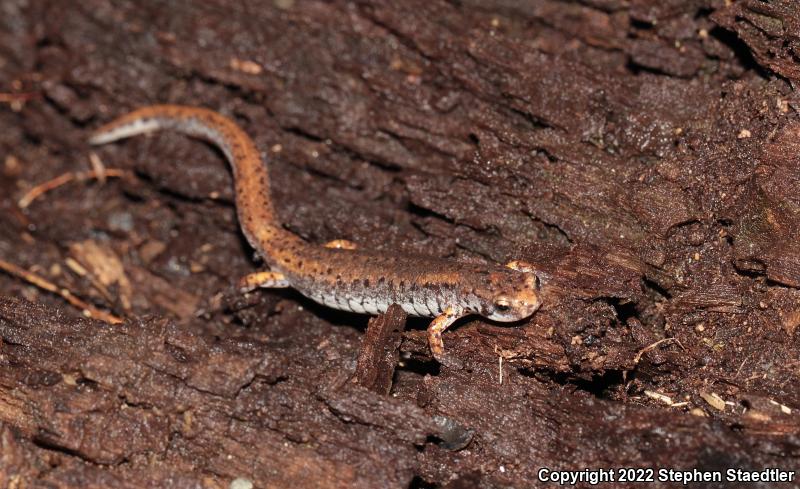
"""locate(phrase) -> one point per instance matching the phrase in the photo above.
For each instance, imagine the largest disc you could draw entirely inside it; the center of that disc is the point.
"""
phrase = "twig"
(30, 277)
(78, 269)
(17, 97)
(651, 346)
(49, 185)
(500, 368)
(647, 349)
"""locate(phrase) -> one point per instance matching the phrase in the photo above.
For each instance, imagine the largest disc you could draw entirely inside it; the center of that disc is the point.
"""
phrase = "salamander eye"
(502, 303)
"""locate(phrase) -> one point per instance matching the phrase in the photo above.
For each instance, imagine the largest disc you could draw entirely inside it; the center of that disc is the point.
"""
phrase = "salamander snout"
(516, 299)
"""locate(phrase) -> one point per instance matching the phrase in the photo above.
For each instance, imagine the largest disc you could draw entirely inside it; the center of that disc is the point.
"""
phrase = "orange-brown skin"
(339, 274)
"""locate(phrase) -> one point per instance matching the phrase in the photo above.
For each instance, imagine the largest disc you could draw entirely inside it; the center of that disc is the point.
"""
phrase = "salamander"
(340, 274)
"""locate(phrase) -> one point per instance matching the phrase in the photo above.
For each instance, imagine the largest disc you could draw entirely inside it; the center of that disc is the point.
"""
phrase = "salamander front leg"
(520, 266)
(341, 244)
(435, 330)
(267, 280)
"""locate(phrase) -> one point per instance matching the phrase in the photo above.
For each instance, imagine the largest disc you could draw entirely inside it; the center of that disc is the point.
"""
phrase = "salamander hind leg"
(267, 280)
(341, 244)
(435, 330)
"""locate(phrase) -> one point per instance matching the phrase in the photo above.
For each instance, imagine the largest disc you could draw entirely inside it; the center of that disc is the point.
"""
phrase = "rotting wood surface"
(645, 155)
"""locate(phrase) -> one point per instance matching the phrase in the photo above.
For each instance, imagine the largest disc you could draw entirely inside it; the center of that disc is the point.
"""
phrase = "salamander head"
(509, 295)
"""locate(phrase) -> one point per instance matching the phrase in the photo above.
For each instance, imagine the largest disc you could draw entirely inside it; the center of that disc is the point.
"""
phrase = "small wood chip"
(713, 400)
(379, 350)
(659, 397)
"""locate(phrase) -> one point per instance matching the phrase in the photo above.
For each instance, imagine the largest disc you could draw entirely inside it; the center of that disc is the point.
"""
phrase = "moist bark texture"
(644, 155)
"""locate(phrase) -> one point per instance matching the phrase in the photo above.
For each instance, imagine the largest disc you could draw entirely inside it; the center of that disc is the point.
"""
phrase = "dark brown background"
(643, 154)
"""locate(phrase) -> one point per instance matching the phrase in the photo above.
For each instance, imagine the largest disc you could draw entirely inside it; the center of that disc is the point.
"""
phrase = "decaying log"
(643, 155)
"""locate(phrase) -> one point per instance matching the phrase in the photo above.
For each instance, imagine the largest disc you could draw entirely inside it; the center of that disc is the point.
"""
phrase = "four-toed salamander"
(338, 274)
